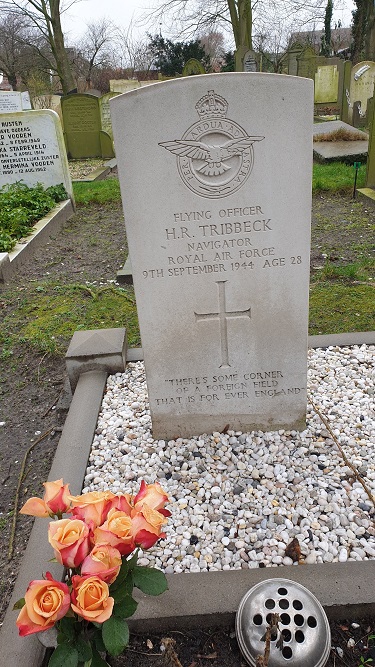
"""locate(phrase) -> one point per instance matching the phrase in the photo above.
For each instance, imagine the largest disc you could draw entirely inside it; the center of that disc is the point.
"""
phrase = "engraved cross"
(223, 315)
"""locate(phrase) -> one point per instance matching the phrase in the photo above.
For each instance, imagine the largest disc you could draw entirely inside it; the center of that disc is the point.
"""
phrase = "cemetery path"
(91, 247)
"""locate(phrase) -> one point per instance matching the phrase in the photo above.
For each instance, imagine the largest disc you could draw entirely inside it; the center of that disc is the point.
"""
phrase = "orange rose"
(104, 561)
(45, 603)
(92, 507)
(55, 500)
(70, 540)
(122, 502)
(146, 527)
(116, 531)
(90, 598)
(153, 496)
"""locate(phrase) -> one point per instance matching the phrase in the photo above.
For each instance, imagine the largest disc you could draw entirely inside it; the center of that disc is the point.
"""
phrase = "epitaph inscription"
(220, 247)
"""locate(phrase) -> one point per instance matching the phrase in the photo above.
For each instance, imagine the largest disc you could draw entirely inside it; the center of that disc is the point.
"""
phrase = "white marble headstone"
(32, 149)
(10, 101)
(362, 80)
(215, 175)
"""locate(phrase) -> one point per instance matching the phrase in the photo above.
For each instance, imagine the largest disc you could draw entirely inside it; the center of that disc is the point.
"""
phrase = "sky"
(122, 12)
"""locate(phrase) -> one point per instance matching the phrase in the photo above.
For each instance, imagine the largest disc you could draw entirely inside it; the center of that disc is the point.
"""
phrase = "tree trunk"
(370, 33)
(63, 66)
(12, 79)
(242, 22)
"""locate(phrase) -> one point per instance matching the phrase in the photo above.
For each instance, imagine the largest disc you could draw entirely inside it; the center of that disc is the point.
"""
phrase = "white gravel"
(237, 499)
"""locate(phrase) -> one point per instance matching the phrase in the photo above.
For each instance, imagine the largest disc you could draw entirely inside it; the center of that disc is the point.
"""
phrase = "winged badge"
(214, 157)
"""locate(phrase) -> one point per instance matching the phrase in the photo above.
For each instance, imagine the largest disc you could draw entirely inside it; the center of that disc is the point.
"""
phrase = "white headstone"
(26, 102)
(215, 174)
(105, 112)
(123, 85)
(32, 149)
(361, 85)
(10, 101)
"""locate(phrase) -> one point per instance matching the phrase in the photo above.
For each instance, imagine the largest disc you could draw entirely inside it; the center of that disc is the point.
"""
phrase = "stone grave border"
(339, 151)
(42, 230)
(193, 600)
(98, 174)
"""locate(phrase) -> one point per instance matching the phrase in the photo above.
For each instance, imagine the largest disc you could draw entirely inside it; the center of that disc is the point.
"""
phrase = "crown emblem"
(212, 106)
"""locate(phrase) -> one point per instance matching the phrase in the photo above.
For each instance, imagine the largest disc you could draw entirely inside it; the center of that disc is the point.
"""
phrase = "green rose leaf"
(66, 626)
(98, 639)
(120, 593)
(132, 562)
(149, 580)
(64, 656)
(84, 649)
(115, 633)
(124, 571)
(19, 604)
(97, 660)
(125, 607)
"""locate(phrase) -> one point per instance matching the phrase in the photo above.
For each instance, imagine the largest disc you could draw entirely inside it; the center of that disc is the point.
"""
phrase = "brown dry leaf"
(149, 644)
(207, 656)
(344, 627)
(193, 664)
(170, 655)
(293, 551)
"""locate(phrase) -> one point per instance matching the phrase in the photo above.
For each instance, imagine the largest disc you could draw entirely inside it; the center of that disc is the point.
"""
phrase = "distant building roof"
(340, 39)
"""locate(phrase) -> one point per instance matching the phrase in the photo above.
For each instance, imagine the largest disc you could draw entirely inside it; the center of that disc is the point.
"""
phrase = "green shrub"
(21, 207)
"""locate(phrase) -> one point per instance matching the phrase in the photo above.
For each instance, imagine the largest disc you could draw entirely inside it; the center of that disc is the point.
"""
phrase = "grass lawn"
(43, 315)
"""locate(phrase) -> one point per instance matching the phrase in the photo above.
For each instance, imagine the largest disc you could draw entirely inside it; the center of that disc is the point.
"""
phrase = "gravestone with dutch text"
(32, 149)
(14, 101)
(220, 246)
(362, 80)
(83, 132)
(105, 112)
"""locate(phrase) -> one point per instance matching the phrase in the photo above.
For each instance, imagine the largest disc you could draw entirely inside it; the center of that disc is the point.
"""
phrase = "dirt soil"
(32, 417)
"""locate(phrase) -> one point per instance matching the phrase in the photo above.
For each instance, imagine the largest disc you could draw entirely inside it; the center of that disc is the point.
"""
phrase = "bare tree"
(12, 47)
(213, 44)
(95, 48)
(18, 59)
(45, 16)
(131, 53)
(240, 18)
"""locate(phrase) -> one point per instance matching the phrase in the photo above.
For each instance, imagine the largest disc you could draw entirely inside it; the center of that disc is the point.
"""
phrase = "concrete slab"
(212, 598)
(99, 349)
(342, 339)
(333, 125)
(125, 275)
(111, 163)
(134, 354)
(367, 194)
(42, 230)
(336, 151)
(96, 175)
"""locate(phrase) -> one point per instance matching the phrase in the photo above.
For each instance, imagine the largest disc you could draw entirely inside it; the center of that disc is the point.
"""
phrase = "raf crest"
(215, 155)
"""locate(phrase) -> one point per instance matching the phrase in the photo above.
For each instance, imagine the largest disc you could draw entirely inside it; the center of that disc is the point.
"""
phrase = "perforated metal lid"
(303, 635)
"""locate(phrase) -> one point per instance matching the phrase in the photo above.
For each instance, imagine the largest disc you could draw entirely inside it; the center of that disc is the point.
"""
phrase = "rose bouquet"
(98, 545)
